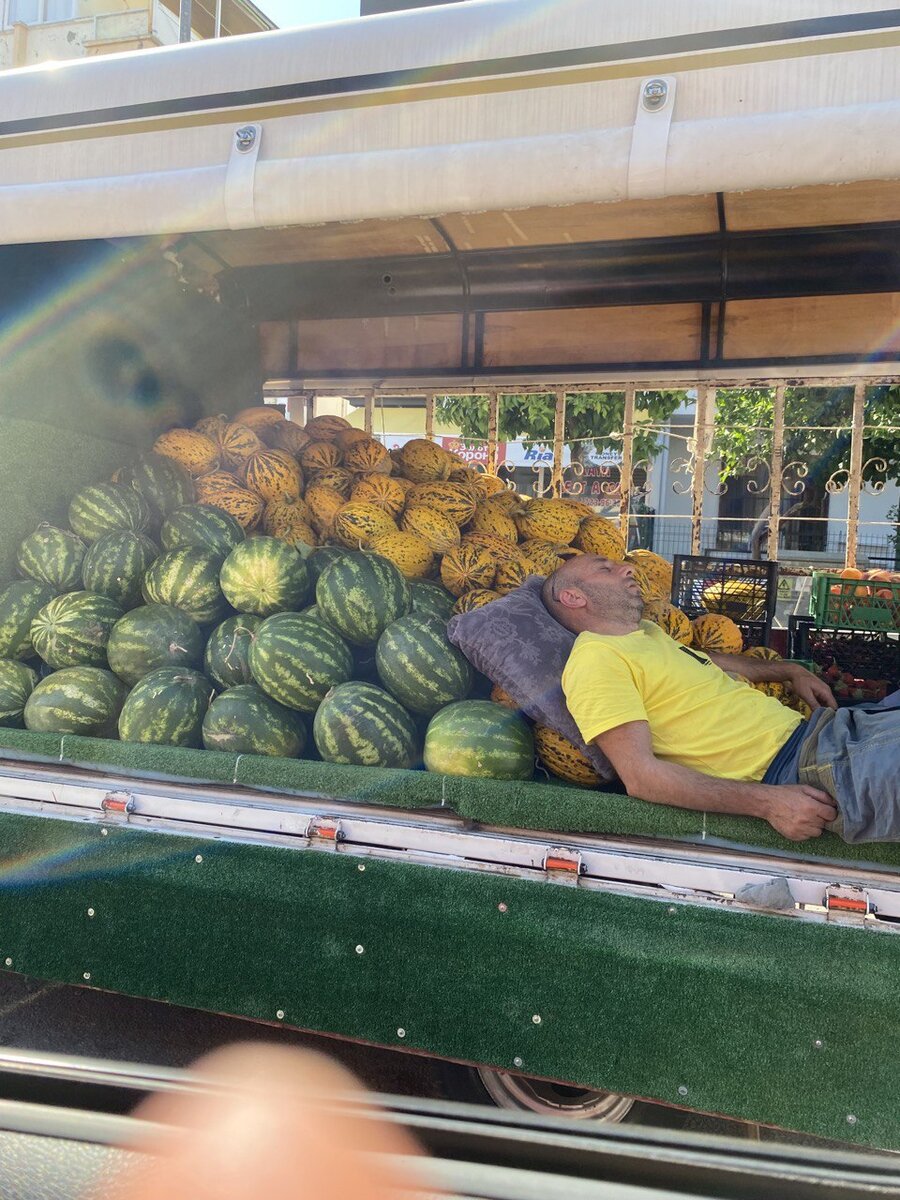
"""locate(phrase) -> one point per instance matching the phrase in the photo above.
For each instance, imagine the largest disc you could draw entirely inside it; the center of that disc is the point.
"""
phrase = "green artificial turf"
(639, 996)
(518, 805)
(41, 468)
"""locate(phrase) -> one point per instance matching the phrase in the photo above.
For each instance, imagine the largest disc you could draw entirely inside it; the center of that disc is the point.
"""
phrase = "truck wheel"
(520, 1093)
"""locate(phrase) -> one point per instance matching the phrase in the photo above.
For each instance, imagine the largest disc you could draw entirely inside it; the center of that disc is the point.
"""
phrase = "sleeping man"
(679, 730)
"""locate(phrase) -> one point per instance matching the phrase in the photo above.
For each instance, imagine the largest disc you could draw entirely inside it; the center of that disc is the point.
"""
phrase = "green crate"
(837, 603)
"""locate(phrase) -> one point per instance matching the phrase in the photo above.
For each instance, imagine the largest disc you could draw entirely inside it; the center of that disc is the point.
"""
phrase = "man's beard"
(630, 606)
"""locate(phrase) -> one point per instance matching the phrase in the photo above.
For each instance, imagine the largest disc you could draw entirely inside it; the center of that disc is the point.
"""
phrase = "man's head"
(593, 593)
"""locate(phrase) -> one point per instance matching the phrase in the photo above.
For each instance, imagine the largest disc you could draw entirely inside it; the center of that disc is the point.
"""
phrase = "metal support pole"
(559, 442)
(627, 466)
(705, 395)
(776, 467)
(854, 483)
(429, 415)
(218, 26)
(369, 412)
(184, 24)
(493, 426)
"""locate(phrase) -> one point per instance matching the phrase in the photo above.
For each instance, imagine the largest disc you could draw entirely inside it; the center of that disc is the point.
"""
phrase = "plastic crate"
(867, 604)
(850, 660)
(744, 589)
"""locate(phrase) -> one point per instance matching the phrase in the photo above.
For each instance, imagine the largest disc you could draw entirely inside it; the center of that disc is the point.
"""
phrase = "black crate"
(865, 655)
(745, 589)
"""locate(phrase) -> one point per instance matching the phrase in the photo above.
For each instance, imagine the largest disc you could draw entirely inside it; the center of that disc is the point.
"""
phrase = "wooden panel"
(275, 349)
(640, 333)
(379, 343)
(361, 239)
(669, 217)
(838, 204)
(813, 325)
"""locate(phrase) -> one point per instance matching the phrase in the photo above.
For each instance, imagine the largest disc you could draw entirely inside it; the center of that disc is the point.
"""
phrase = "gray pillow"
(520, 647)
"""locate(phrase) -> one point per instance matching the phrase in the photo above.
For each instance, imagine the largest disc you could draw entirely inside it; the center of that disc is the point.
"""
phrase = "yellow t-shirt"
(698, 715)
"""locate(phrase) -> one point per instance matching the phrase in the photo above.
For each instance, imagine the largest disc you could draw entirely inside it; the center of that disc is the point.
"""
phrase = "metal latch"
(326, 830)
(851, 900)
(117, 802)
(563, 863)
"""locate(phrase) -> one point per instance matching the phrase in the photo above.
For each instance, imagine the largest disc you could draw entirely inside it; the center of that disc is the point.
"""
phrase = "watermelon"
(72, 630)
(17, 682)
(360, 595)
(227, 657)
(323, 557)
(151, 637)
(202, 526)
(430, 599)
(83, 700)
(296, 660)
(187, 579)
(263, 576)
(166, 708)
(244, 720)
(104, 507)
(361, 724)
(20, 603)
(418, 665)
(480, 738)
(52, 556)
(162, 482)
(116, 564)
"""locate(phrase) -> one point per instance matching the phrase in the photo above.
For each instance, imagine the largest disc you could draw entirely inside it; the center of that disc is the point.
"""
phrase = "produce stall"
(255, 775)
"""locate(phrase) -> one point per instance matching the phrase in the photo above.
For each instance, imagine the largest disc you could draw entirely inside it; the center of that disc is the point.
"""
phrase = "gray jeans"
(854, 755)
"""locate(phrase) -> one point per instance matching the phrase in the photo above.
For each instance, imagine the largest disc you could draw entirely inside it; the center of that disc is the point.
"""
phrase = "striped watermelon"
(480, 738)
(166, 708)
(116, 564)
(104, 507)
(82, 700)
(52, 556)
(20, 603)
(227, 657)
(72, 630)
(187, 579)
(264, 575)
(360, 595)
(17, 682)
(162, 482)
(321, 558)
(430, 599)
(244, 720)
(363, 725)
(296, 660)
(151, 637)
(419, 666)
(202, 526)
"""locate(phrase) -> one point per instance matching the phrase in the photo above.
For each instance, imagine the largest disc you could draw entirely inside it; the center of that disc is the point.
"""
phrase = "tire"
(521, 1093)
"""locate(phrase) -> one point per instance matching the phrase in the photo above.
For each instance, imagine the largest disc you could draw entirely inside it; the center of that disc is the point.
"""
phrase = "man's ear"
(572, 597)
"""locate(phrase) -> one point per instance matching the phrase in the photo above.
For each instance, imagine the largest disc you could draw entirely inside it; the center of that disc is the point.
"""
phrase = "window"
(37, 12)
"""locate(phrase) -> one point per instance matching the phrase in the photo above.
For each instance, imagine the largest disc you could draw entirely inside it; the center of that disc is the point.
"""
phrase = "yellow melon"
(423, 461)
(599, 535)
(324, 505)
(718, 633)
(326, 428)
(258, 416)
(550, 520)
(335, 477)
(346, 437)
(454, 500)
(671, 619)
(656, 572)
(499, 547)
(410, 554)
(487, 486)
(563, 758)
(490, 518)
(440, 533)
(500, 697)
(383, 490)
(764, 652)
(239, 502)
(238, 443)
(543, 558)
(320, 456)
(285, 435)
(367, 455)
(475, 598)
(510, 575)
(467, 567)
(357, 525)
(194, 451)
(274, 475)
(771, 688)
(289, 520)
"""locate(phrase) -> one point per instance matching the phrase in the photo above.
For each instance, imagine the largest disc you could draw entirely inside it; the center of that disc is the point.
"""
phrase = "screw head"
(280, 1014)
(245, 138)
(198, 858)
(401, 1033)
(682, 1090)
(655, 94)
(517, 1062)
(90, 912)
(851, 1120)
(9, 962)
(501, 907)
(536, 1019)
(360, 949)
(819, 1044)
(104, 832)
(361, 867)
(86, 975)
(671, 910)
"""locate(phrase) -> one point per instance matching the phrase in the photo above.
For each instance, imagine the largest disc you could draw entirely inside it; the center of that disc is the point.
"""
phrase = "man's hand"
(798, 811)
(810, 687)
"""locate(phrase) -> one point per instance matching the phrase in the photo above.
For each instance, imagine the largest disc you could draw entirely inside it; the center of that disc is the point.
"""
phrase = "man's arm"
(795, 811)
(805, 684)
